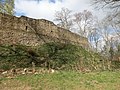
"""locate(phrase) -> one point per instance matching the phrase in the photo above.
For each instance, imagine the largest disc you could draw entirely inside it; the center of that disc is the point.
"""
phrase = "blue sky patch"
(19, 13)
(53, 1)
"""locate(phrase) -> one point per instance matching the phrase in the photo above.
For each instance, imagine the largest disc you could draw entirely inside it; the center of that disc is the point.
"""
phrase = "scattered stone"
(52, 70)
(5, 72)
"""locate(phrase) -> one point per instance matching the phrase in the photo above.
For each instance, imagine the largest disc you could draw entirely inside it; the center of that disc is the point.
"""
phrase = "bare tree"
(84, 22)
(111, 23)
(87, 26)
(94, 38)
(63, 18)
(112, 4)
(108, 36)
(113, 9)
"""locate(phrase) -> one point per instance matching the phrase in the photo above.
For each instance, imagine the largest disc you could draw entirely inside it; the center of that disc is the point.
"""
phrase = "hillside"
(51, 55)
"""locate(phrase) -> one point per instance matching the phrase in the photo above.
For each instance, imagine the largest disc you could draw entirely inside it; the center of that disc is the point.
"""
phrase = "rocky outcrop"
(32, 32)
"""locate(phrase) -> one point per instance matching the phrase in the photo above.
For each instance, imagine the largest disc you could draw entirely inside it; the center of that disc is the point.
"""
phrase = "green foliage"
(116, 64)
(68, 56)
(118, 48)
(57, 54)
(14, 55)
(50, 55)
(7, 6)
(5, 66)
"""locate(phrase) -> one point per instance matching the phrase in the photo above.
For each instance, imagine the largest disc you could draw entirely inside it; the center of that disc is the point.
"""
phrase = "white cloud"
(46, 9)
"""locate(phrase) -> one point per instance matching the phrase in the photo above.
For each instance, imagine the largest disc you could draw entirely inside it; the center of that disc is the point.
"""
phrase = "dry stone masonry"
(33, 32)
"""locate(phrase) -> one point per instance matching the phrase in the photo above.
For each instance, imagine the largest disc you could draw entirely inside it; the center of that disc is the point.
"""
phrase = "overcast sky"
(46, 8)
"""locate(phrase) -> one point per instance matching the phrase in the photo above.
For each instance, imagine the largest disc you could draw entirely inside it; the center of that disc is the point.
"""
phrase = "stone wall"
(28, 31)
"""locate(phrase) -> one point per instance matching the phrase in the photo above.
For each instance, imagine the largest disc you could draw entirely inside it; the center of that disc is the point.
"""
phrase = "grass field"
(105, 80)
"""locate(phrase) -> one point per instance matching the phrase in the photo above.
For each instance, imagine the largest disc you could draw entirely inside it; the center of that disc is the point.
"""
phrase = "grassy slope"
(64, 81)
(59, 55)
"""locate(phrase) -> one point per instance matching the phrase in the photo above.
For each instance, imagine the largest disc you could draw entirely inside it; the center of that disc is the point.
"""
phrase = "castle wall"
(28, 31)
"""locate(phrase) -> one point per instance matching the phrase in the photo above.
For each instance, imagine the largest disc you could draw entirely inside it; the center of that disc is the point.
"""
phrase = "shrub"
(57, 55)
(5, 66)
